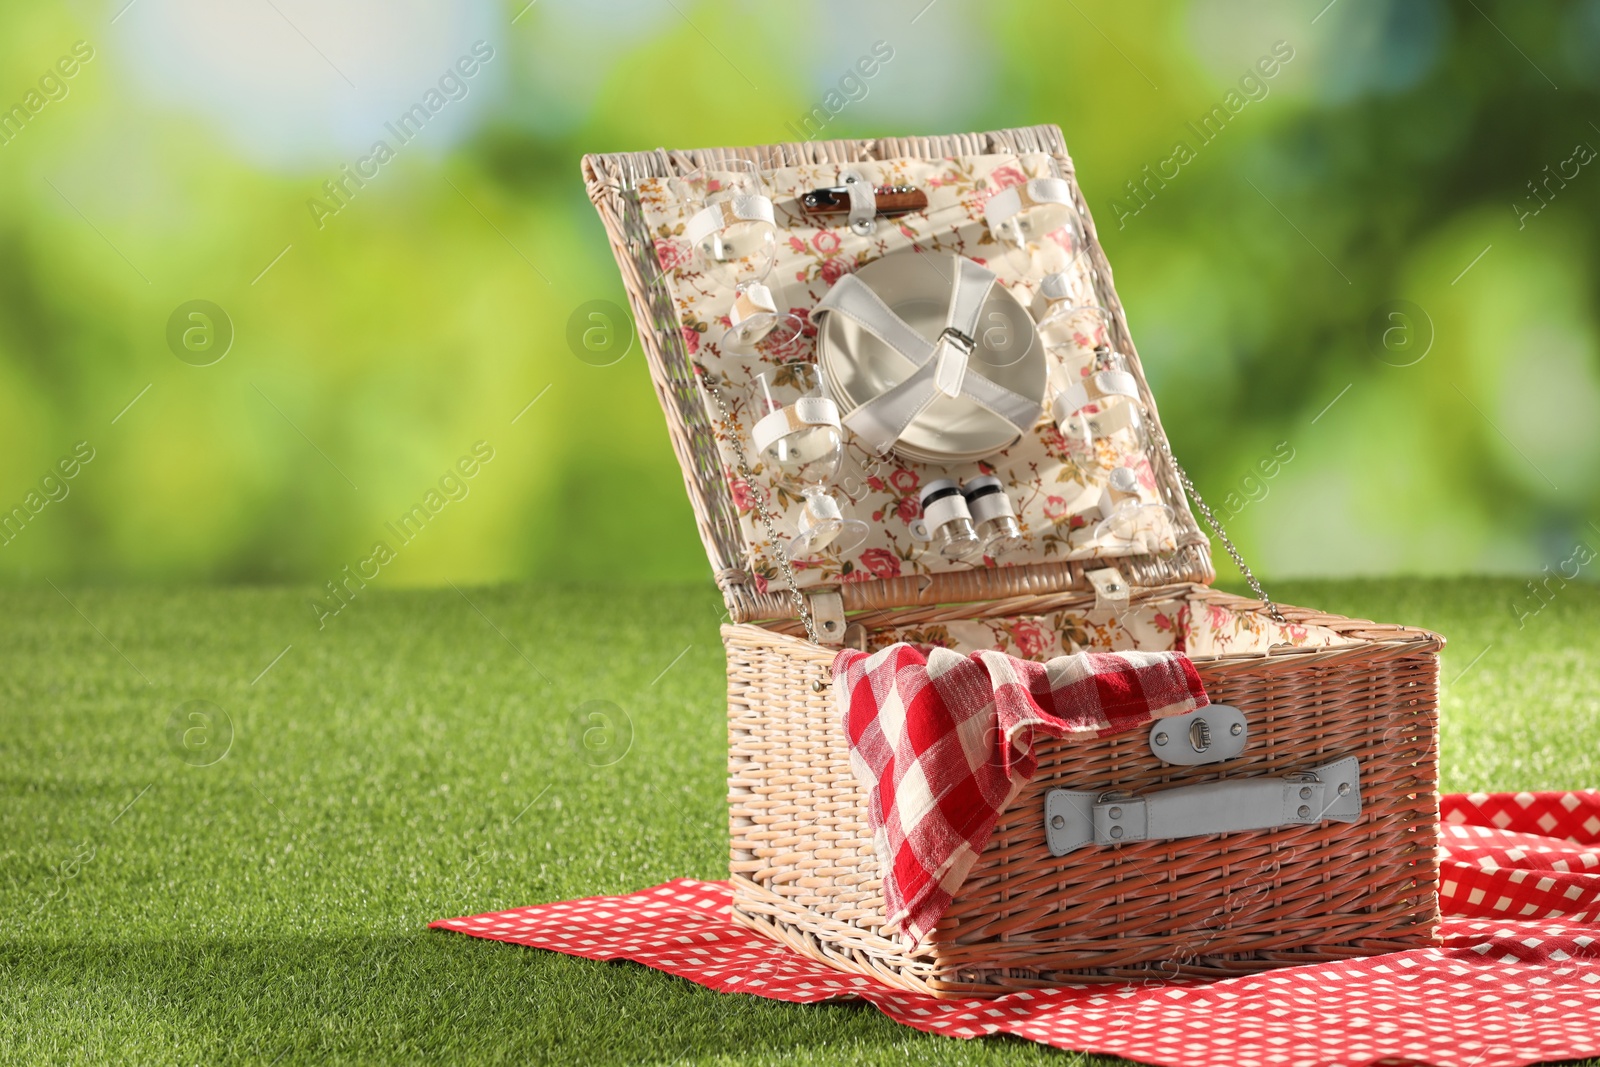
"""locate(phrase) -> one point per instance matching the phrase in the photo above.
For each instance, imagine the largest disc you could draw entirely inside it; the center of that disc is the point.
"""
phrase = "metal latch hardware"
(1210, 734)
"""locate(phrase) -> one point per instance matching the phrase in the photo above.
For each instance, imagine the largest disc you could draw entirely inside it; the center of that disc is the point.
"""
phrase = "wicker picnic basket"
(803, 865)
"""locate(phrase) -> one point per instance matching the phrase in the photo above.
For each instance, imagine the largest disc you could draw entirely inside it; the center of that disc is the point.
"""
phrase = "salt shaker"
(994, 515)
(946, 521)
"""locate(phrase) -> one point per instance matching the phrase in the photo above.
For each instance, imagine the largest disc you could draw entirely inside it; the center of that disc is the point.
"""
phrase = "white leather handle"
(1306, 798)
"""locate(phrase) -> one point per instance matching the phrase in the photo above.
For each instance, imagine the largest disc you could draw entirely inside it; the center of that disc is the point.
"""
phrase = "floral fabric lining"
(1156, 626)
(1056, 501)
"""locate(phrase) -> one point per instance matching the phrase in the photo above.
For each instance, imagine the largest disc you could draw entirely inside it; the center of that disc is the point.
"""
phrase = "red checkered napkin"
(943, 742)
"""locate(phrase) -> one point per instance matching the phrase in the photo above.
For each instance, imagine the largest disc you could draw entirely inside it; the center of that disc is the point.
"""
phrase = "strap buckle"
(965, 342)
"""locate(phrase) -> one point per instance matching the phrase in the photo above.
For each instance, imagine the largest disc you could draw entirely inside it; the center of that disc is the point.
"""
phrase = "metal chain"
(1216, 528)
(1194, 494)
(758, 499)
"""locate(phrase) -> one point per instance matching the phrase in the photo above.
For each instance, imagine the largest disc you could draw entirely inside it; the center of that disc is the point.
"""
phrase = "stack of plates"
(856, 366)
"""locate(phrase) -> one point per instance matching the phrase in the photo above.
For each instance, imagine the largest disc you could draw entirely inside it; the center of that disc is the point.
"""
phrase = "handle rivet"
(1116, 831)
(1115, 813)
(1305, 792)
(1236, 729)
(1344, 789)
(1057, 822)
(1161, 739)
(1304, 812)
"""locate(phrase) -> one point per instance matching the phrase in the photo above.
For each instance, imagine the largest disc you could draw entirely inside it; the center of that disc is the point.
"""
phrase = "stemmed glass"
(1067, 324)
(1099, 414)
(1038, 223)
(735, 236)
(1097, 408)
(1145, 526)
(805, 444)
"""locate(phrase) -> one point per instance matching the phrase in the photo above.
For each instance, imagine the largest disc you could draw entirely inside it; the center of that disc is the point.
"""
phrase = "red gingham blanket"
(1515, 981)
(942, 743)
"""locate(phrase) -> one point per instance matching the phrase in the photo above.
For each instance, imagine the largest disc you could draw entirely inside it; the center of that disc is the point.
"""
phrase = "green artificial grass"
(429, 754)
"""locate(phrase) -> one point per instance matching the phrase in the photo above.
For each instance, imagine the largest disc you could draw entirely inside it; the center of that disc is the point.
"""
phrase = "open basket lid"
(677, 318)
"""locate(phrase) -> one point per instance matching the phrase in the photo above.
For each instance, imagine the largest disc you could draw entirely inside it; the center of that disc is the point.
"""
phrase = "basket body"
(804, 869)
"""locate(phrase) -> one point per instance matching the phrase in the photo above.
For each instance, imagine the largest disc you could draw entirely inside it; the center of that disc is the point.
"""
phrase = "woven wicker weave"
(803, 865)
(804, 870)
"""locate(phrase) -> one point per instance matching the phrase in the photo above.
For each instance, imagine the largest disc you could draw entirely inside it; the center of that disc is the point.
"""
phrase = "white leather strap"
(1097, 386)
(863, 201)
(1234, 805)
(1107, 421)
(1122, 487)
(1110, 589)
(724, 213)
(1037, 192)
(754, 299)
(940, 366)
(944, 509)
(807, 411)
(954, 345)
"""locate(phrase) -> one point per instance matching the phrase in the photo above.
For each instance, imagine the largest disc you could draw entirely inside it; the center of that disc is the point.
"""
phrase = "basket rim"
(1368, 635)
(610, 176)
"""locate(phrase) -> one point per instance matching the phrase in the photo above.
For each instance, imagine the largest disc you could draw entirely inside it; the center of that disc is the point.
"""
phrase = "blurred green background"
(1386, 259)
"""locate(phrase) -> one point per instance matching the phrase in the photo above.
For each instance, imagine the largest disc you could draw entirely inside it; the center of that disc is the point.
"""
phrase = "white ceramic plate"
(858, 366)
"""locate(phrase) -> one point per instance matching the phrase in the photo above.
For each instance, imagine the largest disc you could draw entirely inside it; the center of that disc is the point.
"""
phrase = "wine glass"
(1038, 223)
(1097, 407)
(1099, 413)
(1144, 525)
(734, 233)
(804, 442)
(757, 326)
(1067, 324)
